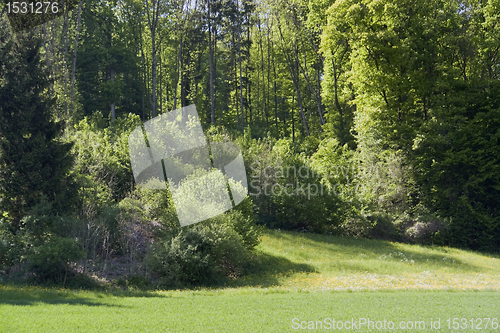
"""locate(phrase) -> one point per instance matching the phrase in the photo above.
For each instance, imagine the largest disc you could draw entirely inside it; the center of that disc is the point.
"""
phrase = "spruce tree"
(34, 162)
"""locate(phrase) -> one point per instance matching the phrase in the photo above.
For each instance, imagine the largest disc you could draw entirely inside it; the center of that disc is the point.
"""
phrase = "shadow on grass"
(17, 295)
(348, 248)
(264, 270)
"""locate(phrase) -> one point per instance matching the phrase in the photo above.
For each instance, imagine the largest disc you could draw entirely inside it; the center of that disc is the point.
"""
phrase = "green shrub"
(290, 189)
(178, 256)
(102, 163)
(200, 254)
(51, 260)
(457, 165)
(242, 220)
(139, 282)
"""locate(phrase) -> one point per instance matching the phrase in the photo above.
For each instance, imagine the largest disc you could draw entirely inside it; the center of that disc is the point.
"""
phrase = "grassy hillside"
(310, 261)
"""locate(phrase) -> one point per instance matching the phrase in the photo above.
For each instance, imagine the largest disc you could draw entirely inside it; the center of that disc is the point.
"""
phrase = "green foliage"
(102, 162)
(291, 190)
(151, 206)
(201, 254)
(425, 90)
(51, 260)
(462, 173)
(242, 220)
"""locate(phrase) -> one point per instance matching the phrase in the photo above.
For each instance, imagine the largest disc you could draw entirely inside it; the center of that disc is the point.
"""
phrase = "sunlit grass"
(228, 310)
(308, 261)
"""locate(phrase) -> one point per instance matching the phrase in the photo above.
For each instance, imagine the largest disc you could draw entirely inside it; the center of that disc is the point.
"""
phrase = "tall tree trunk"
(113, 113)
(293, 119)
(153, 73)
(45, 43)
(179, 62)
(160, 91)
(73, 70)
(178, 72)
(48, 56)
(268, 104)
(284, 115)
(143, 75)
(223, 104)
(247, 76)
(65, 36)
(153, 24)
(263, 75)
(305, 74)
(53, 56)
(239, 57)
(236, 87)
(275, 88)
(211, 60)
(295, 79)
(166, 93)
(335, 85)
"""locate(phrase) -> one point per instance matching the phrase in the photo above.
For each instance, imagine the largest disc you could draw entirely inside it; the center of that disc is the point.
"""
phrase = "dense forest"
(363, 118)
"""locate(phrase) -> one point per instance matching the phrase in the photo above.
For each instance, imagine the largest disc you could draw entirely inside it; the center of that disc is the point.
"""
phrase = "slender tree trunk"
(275, 88)
(167, 102)
(153, 72)
(263, 78)
(293, 119)
(53, 39)
(335, 86)
(305, 73)
(236, 101)
(258, 92)
(73, 70)
(48, 56)
(113, 113)
(143, 75)
(241, 79)
(211, 60)
(284, 114)
(224, 104)
(185, 84)
(153, 23)
(53, 56)
(179, 62)
(295, 79)
(268, 104)
(275, 105)
(247, 76)
(249, 97)
(214, 37)
(184, 75)
(65, 36)
(45, 43)
(178, 73)
(160, 91)
(299, 100)
(318, 79)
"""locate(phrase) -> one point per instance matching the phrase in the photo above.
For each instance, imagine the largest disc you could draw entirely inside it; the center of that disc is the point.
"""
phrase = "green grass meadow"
(299, 282)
